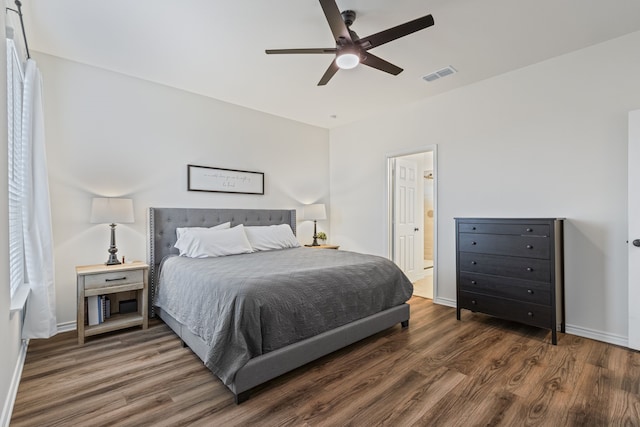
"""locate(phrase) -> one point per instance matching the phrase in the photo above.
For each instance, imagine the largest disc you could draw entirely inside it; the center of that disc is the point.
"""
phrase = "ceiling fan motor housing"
(349, 17)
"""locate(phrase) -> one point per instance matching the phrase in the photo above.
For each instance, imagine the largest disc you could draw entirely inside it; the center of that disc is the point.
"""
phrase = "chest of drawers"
(512, 268)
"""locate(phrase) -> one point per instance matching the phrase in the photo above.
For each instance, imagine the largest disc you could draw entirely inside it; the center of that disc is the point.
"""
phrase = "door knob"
(636, 242)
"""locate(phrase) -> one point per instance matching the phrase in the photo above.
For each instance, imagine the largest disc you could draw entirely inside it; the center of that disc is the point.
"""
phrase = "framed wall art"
(219, 180)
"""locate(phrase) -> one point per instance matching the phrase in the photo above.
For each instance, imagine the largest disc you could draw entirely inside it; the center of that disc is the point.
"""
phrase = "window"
(15, 79)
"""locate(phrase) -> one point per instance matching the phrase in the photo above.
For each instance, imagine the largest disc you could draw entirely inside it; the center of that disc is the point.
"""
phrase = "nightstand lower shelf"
(117, 321)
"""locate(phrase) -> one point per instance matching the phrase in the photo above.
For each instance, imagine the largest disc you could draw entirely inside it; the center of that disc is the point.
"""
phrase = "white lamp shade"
(314, 212)
(111, 210)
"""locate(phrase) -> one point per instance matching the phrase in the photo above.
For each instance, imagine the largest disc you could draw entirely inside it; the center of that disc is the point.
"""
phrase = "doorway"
(412, 217)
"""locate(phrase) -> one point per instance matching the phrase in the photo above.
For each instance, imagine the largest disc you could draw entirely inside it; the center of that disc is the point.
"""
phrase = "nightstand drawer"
(115, 278)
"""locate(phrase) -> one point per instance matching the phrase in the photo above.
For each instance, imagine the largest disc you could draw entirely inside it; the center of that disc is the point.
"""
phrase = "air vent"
(447, 71)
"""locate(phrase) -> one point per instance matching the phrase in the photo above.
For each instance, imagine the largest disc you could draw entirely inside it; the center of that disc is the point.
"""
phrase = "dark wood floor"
(438, 372)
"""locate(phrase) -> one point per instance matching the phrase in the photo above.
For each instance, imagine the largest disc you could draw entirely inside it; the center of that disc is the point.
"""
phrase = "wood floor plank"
(438, 372)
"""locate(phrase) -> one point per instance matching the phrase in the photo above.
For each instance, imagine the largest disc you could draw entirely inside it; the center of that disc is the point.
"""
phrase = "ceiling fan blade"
(334, 18)
(310, 50)
(380, 64)
(394, 33)
(331, 71)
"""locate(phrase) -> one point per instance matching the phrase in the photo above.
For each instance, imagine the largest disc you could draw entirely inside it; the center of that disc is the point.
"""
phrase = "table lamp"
(106, 210)
(314, 212)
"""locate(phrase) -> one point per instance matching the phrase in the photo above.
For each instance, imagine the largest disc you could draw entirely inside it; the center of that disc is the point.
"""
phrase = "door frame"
(633, 206)
(389, 203)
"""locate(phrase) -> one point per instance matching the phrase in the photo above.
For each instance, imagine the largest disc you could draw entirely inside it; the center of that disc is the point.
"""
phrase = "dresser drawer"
(115, 278)
(531, 314)
(499, 228)
(537, 270)
(500, 244)
(505, 287)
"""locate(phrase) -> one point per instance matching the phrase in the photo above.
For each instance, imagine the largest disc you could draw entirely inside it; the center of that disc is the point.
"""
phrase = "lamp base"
(113, 259)
(315, 234)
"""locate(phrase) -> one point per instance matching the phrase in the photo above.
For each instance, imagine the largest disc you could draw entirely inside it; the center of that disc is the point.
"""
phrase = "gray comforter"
(246, 305)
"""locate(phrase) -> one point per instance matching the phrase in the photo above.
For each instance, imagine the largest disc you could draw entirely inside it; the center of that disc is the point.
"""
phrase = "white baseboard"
(7, 409)
(67, 326)
(598, 335)
(445, 301)
(593, 334)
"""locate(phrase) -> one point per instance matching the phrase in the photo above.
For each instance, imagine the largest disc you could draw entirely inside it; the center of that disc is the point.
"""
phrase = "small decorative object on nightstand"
(97, 281)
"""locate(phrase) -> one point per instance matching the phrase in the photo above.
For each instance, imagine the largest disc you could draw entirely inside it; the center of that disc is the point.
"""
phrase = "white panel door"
(405, 221)
(634, 229)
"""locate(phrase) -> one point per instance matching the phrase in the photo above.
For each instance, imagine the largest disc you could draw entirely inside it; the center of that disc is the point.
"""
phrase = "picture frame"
(220, 180)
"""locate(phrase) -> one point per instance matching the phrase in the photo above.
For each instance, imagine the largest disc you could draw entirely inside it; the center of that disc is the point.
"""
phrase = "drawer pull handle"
(529, 247)
(474, 302)
(116, 279)
(529, 269)
(473, 228)
(473, 263)
(530, 292)
(529, 230)
(530, 314)
(473, 282)
(473, 243)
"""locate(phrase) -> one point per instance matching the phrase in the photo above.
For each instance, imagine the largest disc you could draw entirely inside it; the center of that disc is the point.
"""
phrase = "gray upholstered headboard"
(164, 221)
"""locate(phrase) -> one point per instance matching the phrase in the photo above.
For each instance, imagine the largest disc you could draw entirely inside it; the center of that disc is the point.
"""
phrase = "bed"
(244, 358)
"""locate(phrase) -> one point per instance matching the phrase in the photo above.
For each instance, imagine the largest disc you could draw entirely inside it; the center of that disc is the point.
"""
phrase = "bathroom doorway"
(412, 212)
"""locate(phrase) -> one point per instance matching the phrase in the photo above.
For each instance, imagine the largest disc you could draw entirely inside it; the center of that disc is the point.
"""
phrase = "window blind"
(15, 78)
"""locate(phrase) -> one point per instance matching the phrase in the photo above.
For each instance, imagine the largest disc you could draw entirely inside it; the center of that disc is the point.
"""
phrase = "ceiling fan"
(352, 50)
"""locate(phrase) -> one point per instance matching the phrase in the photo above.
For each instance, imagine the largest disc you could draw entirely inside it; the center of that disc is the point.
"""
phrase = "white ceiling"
(216, 48)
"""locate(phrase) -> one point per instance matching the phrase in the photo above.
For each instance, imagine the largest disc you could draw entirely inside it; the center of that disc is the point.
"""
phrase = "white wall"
(549, 140)
(113, 135)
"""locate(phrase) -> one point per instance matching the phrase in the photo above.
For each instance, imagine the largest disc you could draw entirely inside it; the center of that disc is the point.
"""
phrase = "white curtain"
(40, 314)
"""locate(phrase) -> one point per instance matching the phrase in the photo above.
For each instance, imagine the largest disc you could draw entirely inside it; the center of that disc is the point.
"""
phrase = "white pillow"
(269, 237)
(205, 242)
(222, 226)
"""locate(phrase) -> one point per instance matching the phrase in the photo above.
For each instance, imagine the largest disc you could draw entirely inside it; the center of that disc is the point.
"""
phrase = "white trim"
(598, 335)
(445, 301)
(67, 326)
(633, 228)
(579, 331)
(19, 298)
(7, 409)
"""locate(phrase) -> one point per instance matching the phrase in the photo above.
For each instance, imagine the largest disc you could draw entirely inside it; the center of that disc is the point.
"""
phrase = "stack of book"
(98, 309)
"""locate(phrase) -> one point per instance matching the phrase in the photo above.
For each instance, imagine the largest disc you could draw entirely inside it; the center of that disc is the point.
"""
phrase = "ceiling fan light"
(347, 60)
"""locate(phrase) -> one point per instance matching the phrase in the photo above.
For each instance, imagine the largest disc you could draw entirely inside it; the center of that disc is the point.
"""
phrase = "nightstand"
(115, 280)
(324, 246)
